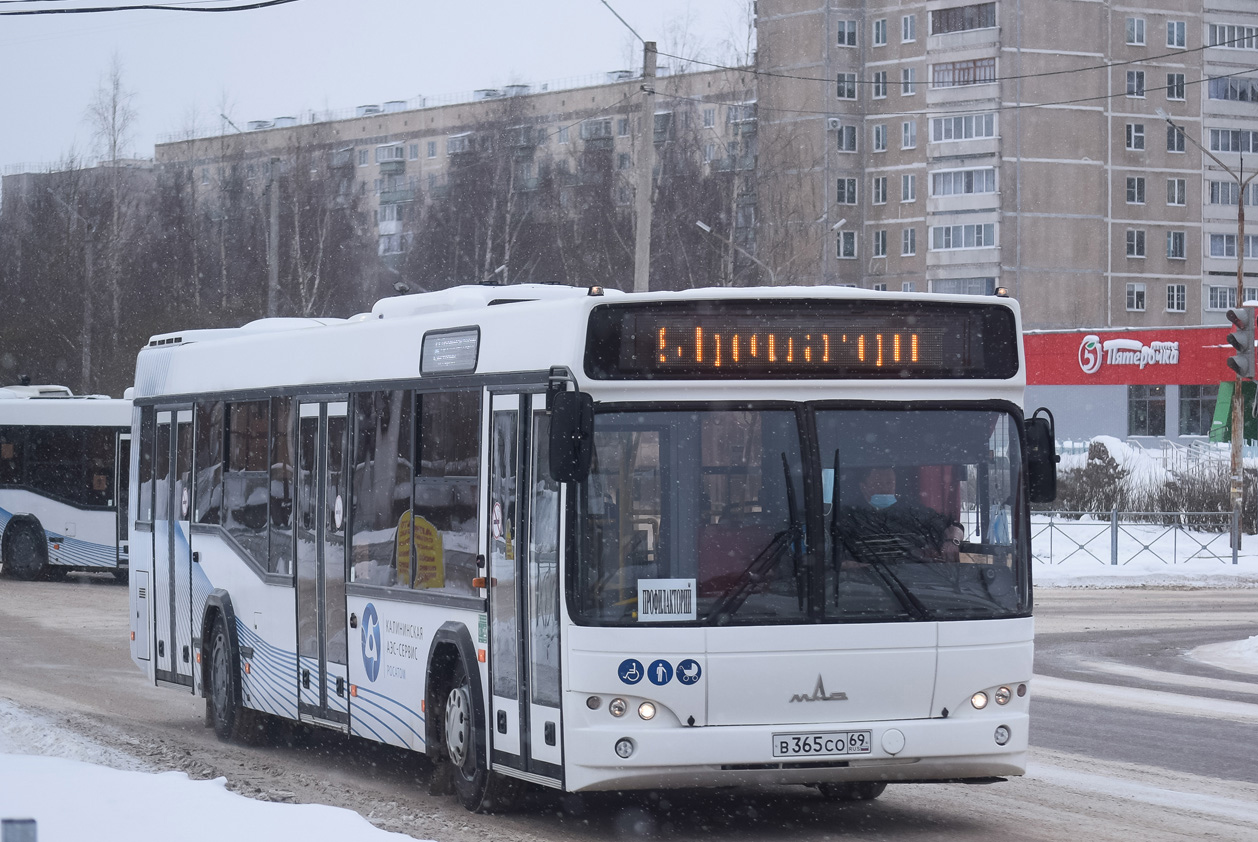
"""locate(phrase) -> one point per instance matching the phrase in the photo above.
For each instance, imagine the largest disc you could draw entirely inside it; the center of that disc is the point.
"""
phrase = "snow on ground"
(40, 764)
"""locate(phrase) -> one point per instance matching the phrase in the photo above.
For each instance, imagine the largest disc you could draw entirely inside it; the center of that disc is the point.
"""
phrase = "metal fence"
(1124, 537)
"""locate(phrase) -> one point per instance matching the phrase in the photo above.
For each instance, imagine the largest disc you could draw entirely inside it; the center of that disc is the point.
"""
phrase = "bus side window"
(447, 488)
(208, 487)
(280, 494)
(382, 546)
(144, 499)
(245, 477)
(12, 455)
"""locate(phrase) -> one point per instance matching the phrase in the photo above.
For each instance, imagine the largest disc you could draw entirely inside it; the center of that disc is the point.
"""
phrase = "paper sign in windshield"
(666, 600)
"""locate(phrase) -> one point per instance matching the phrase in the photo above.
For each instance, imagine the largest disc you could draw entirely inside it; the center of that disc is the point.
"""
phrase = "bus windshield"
(716, 516)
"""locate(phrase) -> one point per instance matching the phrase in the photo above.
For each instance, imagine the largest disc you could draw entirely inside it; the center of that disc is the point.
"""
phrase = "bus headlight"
(979, 700)
(646, 710)
(1003, 695)
(617, 707)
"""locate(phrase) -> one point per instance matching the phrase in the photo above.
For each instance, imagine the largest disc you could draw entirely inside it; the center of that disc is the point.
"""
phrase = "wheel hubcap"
(458, 726)
(219, 679)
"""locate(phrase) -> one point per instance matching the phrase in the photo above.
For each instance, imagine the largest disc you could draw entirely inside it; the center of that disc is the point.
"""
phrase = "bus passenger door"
(524, 719)
(172, 554)
(322, 508)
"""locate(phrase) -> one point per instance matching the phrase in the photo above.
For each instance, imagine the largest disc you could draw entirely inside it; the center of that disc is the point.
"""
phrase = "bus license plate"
(821, 743)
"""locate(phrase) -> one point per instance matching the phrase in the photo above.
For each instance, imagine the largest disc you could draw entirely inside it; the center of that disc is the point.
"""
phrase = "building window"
(1222, 245)
(458, 144)
(962, 128)
(709, 118)
(432, 149)
(622, 126)
(412, 152)
(596, 129)
(1135, 190)
(880, 137)
(1175, 244)
(1234, 89)
(1221, 298)
(1176, 191)
(880, 243)
(1135, 83)
(963, 18)
(1196, 409)
(880, 287)
(1135, 242)
(908, 81)
(908, 28)
(1135, 31)
(846, 242)
(907, 286)
(880, 190)
(908, 243)
(1135, 298)
(908, 134)
(1146, 410)
(952, 74)
(880, 32)
(1175, 33)
(1232, 140)
(1225, 193)
(623, 161)
(1176, 298)
(1175, 86)
(908, 188)
(845, 192)
(363, 158)
(953, 237)
(847, 33)
(847, 138)
(563, 134)
(964, 286)
(880, 84)
(1135, 135)
(1174, 139)
(846, 86)
(1233, 37)
(960, 182)
(709, 152)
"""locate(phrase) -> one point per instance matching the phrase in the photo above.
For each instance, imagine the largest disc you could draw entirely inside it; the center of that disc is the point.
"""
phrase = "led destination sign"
(800, 339)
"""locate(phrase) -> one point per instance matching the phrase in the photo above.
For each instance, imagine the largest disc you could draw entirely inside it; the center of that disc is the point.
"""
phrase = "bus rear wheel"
(852, 790)
(25, 551)
(478, 788)
(231, 719)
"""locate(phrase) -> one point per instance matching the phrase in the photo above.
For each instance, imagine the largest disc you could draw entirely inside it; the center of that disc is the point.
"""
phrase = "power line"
(86, 10)
(622, 20)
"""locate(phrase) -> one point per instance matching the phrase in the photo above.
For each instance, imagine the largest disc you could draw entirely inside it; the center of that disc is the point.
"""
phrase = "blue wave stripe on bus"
(272, 671)
(5, 517)
(359, 722)
(363, 705)
(76, 553)
(392, 701)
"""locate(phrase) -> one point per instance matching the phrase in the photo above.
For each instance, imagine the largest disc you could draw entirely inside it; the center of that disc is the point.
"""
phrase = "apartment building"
(1019, 143)
(399, 154)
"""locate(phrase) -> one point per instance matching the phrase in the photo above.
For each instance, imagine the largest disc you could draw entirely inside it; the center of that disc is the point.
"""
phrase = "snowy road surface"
(1116, 661)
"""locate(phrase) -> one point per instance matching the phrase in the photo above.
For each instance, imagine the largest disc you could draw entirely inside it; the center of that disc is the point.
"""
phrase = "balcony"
(397, 196)
(395, 167)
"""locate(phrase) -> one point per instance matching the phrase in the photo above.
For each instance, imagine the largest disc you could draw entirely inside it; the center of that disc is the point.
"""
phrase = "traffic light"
(1242, 339)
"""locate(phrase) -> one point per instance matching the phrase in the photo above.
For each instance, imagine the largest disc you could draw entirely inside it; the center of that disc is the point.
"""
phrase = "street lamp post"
(773, 280)
(1238, 414)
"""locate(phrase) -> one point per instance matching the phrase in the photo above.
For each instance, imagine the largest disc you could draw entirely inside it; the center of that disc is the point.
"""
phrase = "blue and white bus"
(595, 541)
(63, 483)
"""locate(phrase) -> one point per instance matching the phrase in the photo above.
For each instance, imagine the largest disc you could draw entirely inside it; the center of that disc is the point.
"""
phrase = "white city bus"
(63, 482)
(598, 541)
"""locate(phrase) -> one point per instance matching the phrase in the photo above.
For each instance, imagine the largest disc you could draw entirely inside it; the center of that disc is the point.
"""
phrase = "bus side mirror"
(1042, 458)
(571, 435)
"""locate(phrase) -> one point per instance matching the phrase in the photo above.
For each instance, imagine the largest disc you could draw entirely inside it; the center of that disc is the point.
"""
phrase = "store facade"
(1147, 384)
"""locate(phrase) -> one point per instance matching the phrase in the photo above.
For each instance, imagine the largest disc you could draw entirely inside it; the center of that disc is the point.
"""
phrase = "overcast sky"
(314, 55)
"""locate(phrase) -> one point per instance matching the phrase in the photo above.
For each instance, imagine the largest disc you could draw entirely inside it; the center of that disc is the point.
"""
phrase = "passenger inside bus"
(883, 518)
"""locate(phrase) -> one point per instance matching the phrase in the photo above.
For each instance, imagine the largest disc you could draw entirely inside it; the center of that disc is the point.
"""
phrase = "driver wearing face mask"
(880, 512)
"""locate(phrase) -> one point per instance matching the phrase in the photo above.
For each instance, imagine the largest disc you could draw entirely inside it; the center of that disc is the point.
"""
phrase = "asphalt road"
(1131, 739)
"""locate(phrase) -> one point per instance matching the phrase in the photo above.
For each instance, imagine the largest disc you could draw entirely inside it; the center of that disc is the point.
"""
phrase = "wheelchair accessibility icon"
(630, 671)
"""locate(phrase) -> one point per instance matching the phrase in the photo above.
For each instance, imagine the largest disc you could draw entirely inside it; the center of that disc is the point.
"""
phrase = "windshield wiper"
(762, 565)
(881, 567)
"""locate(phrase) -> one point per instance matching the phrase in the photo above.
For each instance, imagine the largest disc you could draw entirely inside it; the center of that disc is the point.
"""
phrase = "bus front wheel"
(479, 789)
(25, 551)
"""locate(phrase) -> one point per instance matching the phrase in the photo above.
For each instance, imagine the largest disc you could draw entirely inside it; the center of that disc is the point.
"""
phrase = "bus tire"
(478, 788)
(25, 550)
(230, 718)
(852, 790)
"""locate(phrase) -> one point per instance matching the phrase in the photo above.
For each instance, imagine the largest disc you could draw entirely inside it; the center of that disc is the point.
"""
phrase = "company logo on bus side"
(371, 642)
